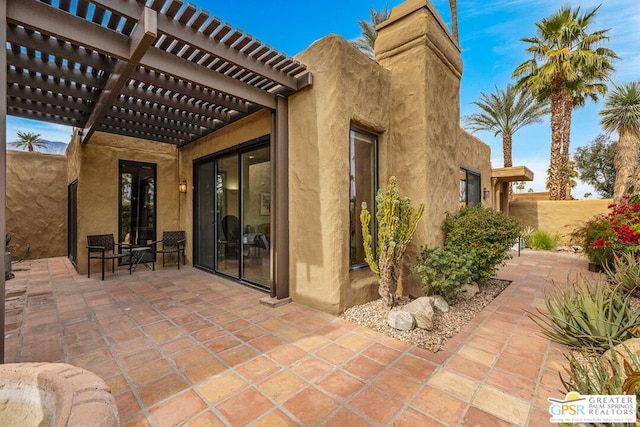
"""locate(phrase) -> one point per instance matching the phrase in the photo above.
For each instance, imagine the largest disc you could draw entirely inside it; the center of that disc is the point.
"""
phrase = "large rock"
(400, 319)
(468, 291)
(622, 350)
(440, 304)
(422, 311)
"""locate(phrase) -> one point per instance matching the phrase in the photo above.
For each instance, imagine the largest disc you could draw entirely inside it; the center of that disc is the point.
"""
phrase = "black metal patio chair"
(102, 247)
(172, 242)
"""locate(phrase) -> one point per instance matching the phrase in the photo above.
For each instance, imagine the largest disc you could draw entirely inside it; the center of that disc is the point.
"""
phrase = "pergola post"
(280, 199)
(3, 158)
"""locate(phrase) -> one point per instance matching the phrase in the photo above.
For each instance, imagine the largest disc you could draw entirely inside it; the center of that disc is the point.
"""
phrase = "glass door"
(72, 222)
(137, 204)
(233, 215)
(205, 216)
(256, 215)
(228, 212)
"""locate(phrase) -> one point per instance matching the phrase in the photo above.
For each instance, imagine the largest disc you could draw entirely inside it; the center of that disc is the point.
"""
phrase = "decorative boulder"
(440, 304)
(422, 311)
(468, 291)
(401, 320)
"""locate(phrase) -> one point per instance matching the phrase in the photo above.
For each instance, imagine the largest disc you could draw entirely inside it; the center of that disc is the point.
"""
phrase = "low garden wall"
(561, 216)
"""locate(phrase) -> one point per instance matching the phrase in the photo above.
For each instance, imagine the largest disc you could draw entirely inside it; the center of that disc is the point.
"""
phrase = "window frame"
(374, 188)
(475, 173)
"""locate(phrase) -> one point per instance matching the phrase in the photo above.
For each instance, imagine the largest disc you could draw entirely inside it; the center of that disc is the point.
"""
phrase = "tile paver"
(189, 348)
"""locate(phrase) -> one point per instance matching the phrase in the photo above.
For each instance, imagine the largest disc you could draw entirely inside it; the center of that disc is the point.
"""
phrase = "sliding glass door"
(232, 230)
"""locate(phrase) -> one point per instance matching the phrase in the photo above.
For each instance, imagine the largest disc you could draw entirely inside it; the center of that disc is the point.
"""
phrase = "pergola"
(158, 70)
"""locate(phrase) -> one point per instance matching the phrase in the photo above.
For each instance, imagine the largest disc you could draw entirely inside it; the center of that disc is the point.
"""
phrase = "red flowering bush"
(615, 234)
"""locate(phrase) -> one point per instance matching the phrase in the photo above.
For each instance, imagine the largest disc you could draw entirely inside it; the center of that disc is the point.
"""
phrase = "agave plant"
(590, 374)
(631, 384)
(587, 315)
(625, 272)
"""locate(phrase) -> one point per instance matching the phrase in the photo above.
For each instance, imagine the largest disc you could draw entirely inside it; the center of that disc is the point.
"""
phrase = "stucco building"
(273, 197)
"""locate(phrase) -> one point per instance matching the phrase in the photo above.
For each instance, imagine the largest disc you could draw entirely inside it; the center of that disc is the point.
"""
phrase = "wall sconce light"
(183, 186)
(485, 193)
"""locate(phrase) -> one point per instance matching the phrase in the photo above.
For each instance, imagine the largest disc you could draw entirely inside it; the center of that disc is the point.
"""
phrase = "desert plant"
(589, 374)
(526, 233)
(587, 315)
(396, 224)
(490, 233)
(624, 271)
(444, 271)
(542, 240)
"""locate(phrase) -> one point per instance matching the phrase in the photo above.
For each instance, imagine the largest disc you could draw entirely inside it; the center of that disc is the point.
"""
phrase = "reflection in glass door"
(137, 204)
(228, 210)
(205, 216)
(256, 218)
(233, 215)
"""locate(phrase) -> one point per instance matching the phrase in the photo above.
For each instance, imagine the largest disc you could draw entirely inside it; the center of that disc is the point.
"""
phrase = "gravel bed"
(373, 315)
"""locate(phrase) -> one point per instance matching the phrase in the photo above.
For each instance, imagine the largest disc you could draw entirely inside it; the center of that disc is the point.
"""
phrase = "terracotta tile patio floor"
(189, 348)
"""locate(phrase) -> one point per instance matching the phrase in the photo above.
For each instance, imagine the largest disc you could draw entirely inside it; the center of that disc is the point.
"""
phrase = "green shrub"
(624, 271)
(542, 240)
(490, 233)
(586, 315)
(443, 271)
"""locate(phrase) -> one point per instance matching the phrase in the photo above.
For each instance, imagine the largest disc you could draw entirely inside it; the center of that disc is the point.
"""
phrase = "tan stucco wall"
(474, 154)
(98, 182)
(348, 89)
(36, 204)
(562, 216)
(428, 145)
(71, 154)
(252, 127)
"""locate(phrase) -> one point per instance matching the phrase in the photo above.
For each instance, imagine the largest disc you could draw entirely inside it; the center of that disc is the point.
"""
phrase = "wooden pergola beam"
(144, 34)
(52, 22)
(159, 111)
(15, 91)
(46, 84)
(43, 117)
(196, 37)
(47, 68)
(188, 89)
(139, 117)
(180, 104)
(58, 48)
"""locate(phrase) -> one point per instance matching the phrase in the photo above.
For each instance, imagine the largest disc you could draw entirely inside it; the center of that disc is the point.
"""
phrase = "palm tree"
(622, 115)
(454, 19)
(29, 141)
(567, 66)
(365, 43)
(504, 113)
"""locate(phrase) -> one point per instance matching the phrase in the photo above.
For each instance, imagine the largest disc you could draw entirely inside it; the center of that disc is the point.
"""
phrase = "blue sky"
(490, 33)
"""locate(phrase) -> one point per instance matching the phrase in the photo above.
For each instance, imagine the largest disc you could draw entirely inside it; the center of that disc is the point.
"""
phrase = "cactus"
(397, 223)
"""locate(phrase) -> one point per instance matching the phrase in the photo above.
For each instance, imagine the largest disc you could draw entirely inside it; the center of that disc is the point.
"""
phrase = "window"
(469, 187)
(363, 148)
